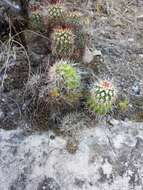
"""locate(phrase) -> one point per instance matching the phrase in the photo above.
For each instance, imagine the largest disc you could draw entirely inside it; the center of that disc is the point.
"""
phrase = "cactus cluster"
(101, 98)
(63, 82)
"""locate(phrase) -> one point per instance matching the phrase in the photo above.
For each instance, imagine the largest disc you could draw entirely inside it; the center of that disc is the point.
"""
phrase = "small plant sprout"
(101, 98)
(123, 105)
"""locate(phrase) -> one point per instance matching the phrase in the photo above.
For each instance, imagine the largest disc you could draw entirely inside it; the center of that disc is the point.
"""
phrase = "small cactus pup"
(55, 14)
(123, 104)
(36, 21)
(101, 98)
(64, 83)
(62, 42)
(80, 42)
(77, 19)
(74, 19)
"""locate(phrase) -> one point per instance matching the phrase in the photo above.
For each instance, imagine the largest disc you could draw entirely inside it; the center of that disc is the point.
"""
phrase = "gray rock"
(106, 158)
(48, 184)
(1, 115)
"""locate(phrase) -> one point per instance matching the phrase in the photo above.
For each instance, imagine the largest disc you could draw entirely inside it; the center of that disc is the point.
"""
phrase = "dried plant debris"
(14, 70)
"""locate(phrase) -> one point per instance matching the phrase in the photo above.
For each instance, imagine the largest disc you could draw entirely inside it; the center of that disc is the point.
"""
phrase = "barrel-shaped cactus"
(64, 82)
(62, 41)
(56, 13)
(36, 22)
(101, 98)
(74, 19)
(80, 43)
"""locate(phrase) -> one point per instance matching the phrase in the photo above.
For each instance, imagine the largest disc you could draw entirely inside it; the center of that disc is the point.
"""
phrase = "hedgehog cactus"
(62, 42)
(74, 19)
(55, 13)
(101, 98)
(64, 82)
(80, 41)
(36, 22)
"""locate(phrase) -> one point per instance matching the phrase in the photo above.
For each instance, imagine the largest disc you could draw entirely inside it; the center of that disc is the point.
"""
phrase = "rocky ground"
(88, 154)
(107, 157)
